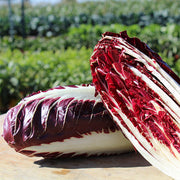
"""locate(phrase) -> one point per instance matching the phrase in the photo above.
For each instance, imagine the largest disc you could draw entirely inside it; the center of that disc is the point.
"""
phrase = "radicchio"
(143, 95)
(63, 122)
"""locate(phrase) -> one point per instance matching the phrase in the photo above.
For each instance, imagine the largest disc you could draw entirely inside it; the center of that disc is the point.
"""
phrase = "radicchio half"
(143, 95)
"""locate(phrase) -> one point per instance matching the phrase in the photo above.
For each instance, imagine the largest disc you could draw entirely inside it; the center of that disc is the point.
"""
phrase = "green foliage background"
(60, 41)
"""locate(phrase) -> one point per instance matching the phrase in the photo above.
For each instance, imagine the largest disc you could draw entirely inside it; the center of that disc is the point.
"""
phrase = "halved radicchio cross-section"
(143, 95)
(63, 122)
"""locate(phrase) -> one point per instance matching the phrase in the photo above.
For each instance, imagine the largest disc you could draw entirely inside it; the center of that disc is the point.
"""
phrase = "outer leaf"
(143, 95)
(63, 122)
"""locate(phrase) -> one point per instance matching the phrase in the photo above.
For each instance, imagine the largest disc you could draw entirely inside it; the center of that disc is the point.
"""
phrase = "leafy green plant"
(48, 21)
(22, 74)
(160, 38)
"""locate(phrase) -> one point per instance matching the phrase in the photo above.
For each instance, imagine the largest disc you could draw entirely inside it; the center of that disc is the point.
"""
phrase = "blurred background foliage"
(54, 43)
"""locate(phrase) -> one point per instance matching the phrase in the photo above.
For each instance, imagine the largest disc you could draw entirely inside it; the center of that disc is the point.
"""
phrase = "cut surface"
(143, 95)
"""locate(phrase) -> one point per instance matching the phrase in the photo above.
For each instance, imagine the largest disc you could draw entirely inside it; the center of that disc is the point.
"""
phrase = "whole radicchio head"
(65, 121)
(143, 95)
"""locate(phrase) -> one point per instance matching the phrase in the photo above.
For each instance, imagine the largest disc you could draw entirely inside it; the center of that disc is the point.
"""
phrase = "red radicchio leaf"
(143, 95)
(62, 122)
